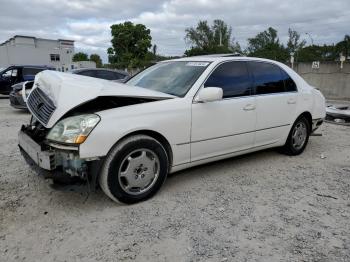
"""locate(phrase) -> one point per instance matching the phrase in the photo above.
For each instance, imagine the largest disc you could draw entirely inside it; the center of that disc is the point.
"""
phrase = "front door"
(225, 126)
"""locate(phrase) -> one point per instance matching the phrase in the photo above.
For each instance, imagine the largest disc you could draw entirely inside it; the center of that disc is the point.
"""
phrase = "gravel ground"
(259, 207)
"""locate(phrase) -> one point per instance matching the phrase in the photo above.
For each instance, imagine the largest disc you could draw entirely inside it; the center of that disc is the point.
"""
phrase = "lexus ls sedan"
(180, 113)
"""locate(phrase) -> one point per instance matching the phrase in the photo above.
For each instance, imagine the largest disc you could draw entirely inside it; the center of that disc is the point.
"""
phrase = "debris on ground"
(338, 113)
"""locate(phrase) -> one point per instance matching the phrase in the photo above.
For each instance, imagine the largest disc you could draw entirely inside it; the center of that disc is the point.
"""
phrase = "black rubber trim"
(202, 140)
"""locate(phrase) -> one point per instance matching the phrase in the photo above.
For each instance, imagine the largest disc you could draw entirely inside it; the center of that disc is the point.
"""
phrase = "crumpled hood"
(68, 91)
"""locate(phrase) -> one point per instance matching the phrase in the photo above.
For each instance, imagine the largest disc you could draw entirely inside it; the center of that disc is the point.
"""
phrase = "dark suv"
(18, 73)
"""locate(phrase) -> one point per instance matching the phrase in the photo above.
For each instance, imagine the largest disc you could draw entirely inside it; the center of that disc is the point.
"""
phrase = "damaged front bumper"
(61, 163)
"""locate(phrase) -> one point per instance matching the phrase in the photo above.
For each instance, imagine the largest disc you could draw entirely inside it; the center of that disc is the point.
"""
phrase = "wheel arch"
(308, 117)
(157, 136)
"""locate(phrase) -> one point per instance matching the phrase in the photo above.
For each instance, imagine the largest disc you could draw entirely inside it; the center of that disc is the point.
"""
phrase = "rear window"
(90, 73)
(108, 75)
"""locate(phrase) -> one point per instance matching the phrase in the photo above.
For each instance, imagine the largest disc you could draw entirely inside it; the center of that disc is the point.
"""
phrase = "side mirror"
(209, 94)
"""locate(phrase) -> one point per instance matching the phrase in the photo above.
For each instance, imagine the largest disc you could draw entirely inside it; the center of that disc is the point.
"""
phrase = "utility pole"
(220, 44)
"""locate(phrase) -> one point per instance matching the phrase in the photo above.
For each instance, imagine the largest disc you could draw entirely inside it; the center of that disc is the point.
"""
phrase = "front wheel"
(298, 137)
(134, 170)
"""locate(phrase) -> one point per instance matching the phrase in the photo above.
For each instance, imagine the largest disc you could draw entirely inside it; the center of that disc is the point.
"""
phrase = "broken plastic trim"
(338, 114)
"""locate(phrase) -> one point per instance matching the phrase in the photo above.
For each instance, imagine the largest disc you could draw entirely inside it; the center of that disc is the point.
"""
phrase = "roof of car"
(219, 58)
(103, 69)
(35, 66)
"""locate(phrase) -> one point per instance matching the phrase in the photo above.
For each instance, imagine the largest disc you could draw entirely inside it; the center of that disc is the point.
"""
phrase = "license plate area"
(44, 159)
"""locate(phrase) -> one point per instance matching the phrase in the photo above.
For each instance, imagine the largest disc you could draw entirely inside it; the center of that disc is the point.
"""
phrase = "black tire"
(109, 178)
(289, 148)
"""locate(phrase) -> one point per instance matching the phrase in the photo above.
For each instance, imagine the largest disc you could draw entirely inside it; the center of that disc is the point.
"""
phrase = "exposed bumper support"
(44, 159)
(63, 166)
(316, 123)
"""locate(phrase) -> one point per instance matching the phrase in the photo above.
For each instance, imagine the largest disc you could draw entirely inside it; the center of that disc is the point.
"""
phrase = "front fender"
(173, 121)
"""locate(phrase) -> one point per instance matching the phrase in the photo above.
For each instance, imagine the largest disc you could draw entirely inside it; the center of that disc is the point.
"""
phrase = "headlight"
(73, 130)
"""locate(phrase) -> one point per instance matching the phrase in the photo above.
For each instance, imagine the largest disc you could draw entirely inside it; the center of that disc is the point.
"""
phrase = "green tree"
(97, 59)
(206, 39)
(266, 44)
(344, 47)
(294, 43)
(318, 53)
(130, 44)
(154, 50)
(80, 56)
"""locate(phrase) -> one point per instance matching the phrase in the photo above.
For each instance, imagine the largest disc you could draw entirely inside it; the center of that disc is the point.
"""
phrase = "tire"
(127, 171)
(296, 142)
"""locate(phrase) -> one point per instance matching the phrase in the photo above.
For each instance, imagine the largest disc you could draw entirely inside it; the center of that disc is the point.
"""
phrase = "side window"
(54, 57)
(31, 71)
(10, 73)
(233, 78)
(289, 84)
(267, 77)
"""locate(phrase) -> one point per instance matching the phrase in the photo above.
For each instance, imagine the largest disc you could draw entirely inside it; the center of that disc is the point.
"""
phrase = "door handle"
(291, 101)
(249, 107)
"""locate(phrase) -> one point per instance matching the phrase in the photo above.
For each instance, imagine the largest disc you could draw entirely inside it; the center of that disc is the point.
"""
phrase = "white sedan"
(174, 115)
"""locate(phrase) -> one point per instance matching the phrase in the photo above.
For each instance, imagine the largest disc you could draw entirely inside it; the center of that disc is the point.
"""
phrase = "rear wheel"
(134, 170)
(298, 137)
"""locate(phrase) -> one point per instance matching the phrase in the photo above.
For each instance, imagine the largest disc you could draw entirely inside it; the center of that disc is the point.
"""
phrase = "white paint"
(197, 132)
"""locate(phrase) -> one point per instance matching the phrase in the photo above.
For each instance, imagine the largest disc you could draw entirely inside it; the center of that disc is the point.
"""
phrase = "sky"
(88, 22)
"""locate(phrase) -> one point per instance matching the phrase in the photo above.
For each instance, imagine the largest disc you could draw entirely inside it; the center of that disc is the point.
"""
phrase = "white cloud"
(88, 21)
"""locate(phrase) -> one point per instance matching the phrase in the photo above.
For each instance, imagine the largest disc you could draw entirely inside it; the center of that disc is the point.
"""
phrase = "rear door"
(228, 125)
(275, 102)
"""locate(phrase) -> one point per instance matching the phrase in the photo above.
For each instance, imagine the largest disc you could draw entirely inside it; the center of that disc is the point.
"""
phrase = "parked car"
(17, 99)
(103, 73)
(17, 74)
(174, 115)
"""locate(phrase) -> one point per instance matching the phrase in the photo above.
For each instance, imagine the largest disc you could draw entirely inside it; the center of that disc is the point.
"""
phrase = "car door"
(275, 102)
(8, 78)
(228, 125)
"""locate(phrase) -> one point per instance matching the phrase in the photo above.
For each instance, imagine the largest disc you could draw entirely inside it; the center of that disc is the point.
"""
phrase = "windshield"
(174, 78)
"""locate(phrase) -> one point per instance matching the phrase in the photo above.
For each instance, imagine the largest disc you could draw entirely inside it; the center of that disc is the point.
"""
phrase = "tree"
(205, 39)
(154, 50)
(344, 47)
(97, 59)
(130, 44)
(266, 44)
(80, 56)
(294, 44)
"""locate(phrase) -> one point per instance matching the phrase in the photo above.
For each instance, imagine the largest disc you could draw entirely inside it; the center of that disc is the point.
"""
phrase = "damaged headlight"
(73, 130)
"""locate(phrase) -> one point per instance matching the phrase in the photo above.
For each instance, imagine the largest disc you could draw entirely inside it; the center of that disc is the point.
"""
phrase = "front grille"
(40, 105)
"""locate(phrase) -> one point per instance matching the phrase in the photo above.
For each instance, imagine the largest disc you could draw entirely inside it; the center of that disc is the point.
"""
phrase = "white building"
(30, 50)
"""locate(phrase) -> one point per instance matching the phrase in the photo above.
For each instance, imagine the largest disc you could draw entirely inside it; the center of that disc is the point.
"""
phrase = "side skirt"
(177, 168)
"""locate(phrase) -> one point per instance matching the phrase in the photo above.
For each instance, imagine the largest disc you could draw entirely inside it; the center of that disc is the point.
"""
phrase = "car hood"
(68, 91)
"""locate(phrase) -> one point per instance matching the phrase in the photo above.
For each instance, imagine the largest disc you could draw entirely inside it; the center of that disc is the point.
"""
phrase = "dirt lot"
(260, 207)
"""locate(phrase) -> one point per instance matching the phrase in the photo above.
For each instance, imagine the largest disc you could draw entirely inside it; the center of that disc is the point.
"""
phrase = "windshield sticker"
(197, 64)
